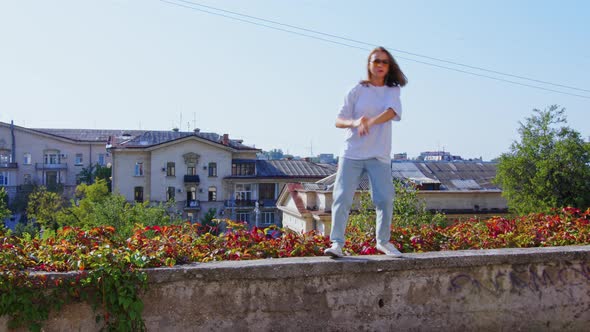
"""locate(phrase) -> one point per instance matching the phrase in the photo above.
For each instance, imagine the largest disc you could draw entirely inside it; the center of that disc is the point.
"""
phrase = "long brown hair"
(394, 77)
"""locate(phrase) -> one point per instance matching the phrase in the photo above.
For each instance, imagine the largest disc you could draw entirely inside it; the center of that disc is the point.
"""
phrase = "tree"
(548, 168)
(46, 208)
(4, 211)
(408, 209)
(94, 173)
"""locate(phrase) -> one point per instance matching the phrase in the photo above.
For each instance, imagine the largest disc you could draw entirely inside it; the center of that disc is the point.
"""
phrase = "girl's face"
(379, 65)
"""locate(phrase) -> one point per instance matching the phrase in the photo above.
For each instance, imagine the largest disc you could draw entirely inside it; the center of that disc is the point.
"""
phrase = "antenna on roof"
(194, 120)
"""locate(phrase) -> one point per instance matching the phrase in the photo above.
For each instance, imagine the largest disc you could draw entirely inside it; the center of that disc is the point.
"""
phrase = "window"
(5, 156)
(138, 169)
(191, 194)
(170, 169)
(266, 191)
(138, 194)
(268, 217)
(191, 170)
(27, 160)
(191, 197)
(27, 178)
(243, 216)
(243, 192)
(212, 194)
(3, 178)
(242, 169)
(78, 160)
(51, 158)
(78, 179)
(212, 169)
(102, 159)
(170, 192)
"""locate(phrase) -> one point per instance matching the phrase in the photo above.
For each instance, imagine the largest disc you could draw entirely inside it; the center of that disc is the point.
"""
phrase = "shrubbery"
(109, 266)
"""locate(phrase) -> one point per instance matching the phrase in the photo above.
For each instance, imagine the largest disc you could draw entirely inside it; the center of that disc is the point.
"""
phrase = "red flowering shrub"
(73, 249)
(108, 264)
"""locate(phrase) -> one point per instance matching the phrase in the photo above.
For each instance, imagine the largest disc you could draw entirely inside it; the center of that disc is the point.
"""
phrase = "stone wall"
(509, 289)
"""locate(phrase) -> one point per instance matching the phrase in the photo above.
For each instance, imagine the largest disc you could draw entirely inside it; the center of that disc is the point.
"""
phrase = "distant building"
(50, 157)
(327, 158)
(400, 156)
(197, 170)
(202, 171)
(438, 156)
(454, 188)
(275, 154)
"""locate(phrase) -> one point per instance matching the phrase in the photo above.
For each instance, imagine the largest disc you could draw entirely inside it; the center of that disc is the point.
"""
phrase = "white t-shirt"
(370, 101)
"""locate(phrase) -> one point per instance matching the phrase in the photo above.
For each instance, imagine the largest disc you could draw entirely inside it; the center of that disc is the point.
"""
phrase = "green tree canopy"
(548, 168)
(4, 212)
(46, 207)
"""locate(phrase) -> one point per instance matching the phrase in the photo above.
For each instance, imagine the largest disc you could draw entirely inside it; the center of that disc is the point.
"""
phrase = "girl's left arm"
(385, 116)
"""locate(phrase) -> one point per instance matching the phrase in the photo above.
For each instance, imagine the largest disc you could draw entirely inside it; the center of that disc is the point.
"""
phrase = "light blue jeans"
(382, 192)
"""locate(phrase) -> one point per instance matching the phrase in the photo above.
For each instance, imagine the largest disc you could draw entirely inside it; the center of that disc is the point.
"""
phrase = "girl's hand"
(362, 124)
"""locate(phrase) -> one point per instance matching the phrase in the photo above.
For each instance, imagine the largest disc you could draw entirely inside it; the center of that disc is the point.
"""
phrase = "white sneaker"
(388, 249)
(335, 251)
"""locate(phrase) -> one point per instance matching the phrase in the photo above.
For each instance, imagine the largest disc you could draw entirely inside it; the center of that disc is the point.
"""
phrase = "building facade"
(50, 157)
(204, 171)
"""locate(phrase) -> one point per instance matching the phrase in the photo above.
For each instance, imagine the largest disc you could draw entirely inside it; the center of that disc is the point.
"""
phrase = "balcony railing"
(268, 202)
(191, 179)
(193, 205)
(51, 166)
(8, 165)
(240, 203)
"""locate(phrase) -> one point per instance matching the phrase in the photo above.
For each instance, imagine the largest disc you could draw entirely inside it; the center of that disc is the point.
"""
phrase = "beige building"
(202, 171)
(50, 157)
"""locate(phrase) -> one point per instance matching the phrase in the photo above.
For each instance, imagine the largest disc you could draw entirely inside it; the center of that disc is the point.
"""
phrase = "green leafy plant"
(107, 271)
(548, 168)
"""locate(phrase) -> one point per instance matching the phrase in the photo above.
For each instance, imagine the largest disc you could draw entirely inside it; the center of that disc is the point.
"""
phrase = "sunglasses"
(379, 61)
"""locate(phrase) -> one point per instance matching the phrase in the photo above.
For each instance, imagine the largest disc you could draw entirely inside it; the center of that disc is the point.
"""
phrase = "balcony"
(192, 179)
(193, 205)
(268, 203)
(240, 203)
(41, 166)
(8, 165)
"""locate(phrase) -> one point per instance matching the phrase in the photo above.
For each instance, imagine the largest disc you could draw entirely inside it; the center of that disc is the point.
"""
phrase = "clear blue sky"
(141, 63)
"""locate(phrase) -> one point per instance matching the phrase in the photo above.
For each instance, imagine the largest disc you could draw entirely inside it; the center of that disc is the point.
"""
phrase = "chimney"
(196, 130)
(225, 140)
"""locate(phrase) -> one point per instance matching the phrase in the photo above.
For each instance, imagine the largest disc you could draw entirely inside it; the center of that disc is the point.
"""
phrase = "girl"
(367, 115)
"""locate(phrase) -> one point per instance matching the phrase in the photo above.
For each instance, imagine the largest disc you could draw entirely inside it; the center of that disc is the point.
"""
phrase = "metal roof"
(153, 137)
(93, 135)
(290, 168)
(452, 175)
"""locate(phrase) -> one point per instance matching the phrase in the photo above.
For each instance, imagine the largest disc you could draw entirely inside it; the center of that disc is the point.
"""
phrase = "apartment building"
(201, 171)
(197, 170)
(50, 157)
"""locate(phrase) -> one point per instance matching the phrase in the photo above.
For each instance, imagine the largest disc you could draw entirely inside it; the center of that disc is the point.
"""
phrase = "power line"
(391, 48)
(368, 49)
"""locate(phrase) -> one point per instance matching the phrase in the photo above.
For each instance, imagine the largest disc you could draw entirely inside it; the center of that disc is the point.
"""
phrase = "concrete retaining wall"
(510, 289)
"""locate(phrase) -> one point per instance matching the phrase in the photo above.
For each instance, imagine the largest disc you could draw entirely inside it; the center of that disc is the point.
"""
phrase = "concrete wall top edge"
(313, 266)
